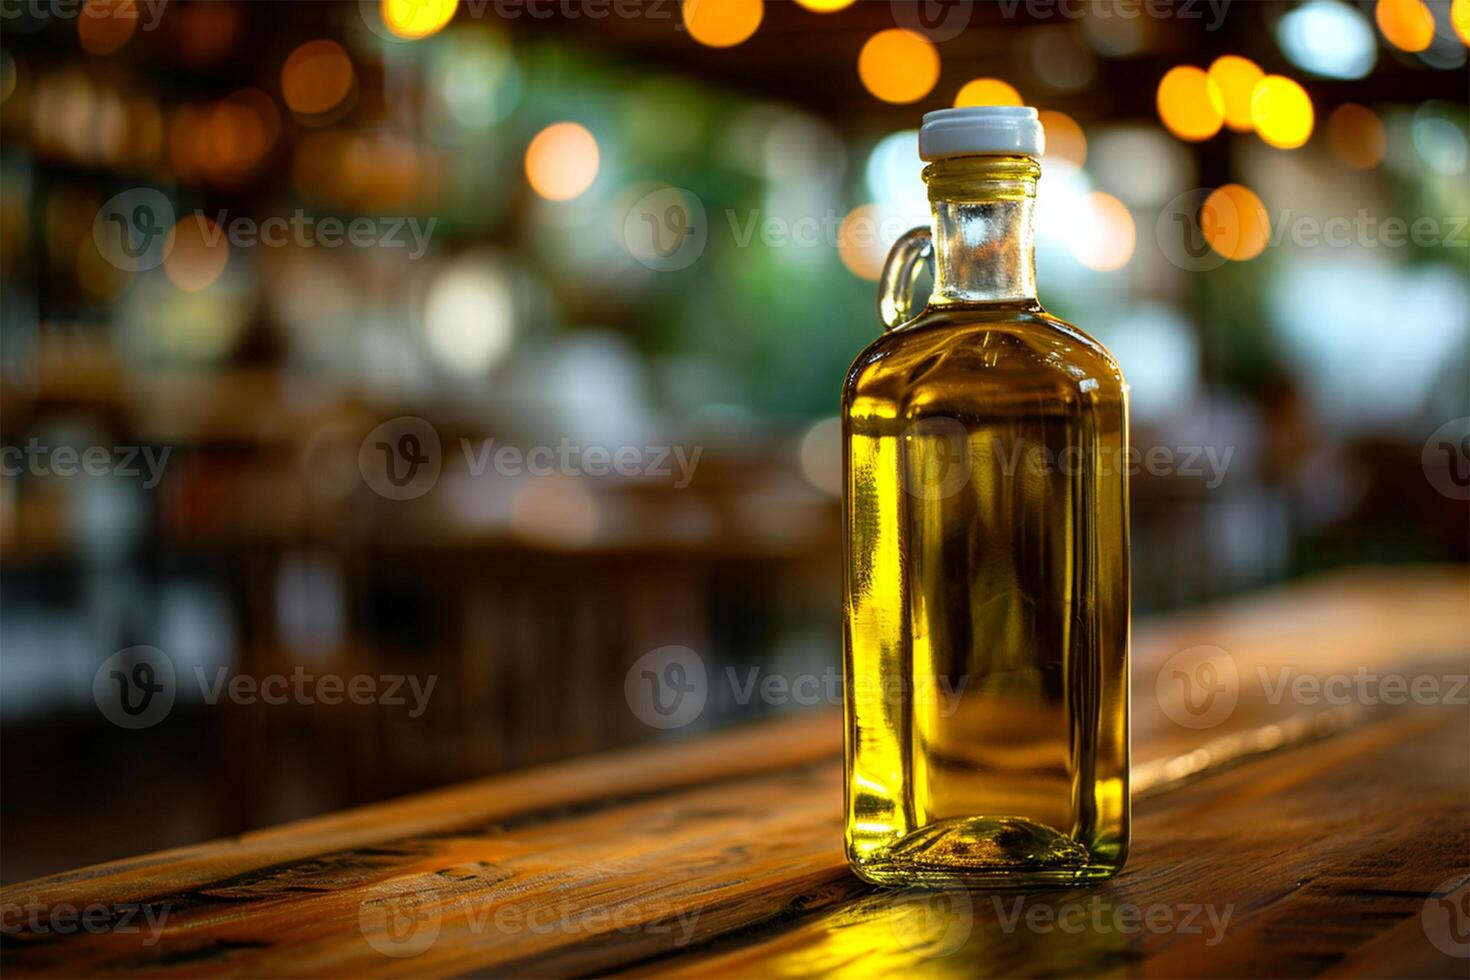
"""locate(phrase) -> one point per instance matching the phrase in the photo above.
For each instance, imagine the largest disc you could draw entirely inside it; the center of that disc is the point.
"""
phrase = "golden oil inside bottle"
(987, 596)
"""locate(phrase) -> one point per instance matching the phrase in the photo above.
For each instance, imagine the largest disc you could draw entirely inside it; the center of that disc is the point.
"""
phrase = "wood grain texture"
(1316, 835)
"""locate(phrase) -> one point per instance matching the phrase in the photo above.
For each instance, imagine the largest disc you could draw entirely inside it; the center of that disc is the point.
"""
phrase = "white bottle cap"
(1000, 129)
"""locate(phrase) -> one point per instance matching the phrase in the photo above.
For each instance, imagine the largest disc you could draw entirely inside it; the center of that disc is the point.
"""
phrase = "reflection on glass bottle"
(986, 510)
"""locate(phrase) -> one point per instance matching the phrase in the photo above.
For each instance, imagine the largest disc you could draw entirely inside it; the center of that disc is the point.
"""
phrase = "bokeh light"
(1439, 139)
(1102, 236)
(1282, 112)
(825, 6)
(820, 455)
(414, 19)
(861, 244)
(898, 66)
(1236, 77)
(103, 26)
(987, 91)
(1235, 223)
(469, 318)
(1190, 104)
(562, 161)
(1066, 146)
(1328, 38)
(722, 23)
(196, 253)
(316, 78)
(1460, 19)
(1407, 24)
(1356, 136)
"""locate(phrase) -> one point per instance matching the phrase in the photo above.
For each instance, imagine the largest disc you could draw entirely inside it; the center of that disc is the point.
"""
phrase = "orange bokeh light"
(722, 23)
(1235, 223)
(987, 91)
(898, 66)
(1190, 103)
(562, 161)
(195, 253)
(316, 78)
(103, 26)
(1407, 24)
(1065, 141)
(1236, 78)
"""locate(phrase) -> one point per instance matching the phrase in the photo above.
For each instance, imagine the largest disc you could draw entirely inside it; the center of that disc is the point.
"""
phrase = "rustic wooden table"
(1299, 823)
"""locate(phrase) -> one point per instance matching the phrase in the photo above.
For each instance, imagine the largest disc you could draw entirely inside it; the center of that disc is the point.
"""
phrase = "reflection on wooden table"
(1311, 826)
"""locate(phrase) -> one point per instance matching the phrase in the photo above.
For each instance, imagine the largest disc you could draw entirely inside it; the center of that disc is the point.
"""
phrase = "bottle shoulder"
(1024, 350)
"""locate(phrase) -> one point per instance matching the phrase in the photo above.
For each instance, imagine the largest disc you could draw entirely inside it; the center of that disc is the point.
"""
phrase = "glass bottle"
(986, 509)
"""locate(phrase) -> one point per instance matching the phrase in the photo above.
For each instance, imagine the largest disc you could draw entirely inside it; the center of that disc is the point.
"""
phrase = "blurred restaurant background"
(280, 281)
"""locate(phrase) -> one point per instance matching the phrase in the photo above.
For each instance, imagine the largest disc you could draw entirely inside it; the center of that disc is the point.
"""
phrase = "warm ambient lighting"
(1356, 136)
(859, 242)
(825, 6)
(1234, 222)
(898, 66)
(1103, 237)
(1065, 142)
(1282, 112)
(103, 26)
(316, 78)
(1190, 103)
(414, 19)
(1236, 78)
(196, 252)
(1407, 24)
(722, 23)
(562, 161)
(987, 91)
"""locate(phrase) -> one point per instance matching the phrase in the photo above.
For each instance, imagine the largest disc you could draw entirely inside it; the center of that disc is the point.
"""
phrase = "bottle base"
(985, 852)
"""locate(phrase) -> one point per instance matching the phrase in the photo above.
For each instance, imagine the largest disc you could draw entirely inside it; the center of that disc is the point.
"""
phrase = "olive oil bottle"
(986, 509)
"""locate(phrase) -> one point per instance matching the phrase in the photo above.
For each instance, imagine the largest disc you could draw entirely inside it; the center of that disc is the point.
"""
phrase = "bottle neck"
(984, 239)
